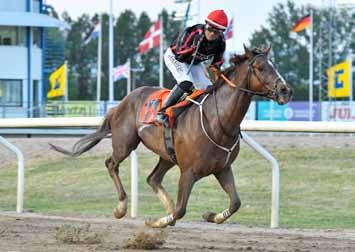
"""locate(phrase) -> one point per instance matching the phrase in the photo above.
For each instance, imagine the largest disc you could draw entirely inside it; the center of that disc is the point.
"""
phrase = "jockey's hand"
(197, 39)
(215, 69)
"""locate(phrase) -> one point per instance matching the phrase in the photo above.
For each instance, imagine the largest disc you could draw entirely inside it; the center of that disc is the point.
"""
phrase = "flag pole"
(311, 71)
(350, 59)
(66, 87)
(161, 49)
(234, 41)
(98, 88)
(110, 77)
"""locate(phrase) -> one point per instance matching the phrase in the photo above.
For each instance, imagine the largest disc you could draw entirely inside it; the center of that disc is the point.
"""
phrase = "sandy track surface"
(32, 232)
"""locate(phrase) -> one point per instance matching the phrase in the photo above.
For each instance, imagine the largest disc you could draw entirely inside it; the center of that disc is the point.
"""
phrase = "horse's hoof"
(118, 214)
(172, 223)
(209, 217)
(155, 223)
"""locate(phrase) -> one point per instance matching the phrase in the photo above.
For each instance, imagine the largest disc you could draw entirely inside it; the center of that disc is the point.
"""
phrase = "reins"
(248, 78)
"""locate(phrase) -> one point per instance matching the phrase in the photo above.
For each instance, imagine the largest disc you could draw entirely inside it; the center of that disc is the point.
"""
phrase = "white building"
(22, 90)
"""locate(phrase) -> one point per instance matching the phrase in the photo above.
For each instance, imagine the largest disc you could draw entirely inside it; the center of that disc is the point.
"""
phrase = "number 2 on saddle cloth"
(155, 101)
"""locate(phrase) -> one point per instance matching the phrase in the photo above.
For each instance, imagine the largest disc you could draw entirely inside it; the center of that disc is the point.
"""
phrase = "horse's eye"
(262, 67)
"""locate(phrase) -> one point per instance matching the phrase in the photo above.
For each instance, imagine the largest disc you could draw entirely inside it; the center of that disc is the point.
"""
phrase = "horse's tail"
(87, 142)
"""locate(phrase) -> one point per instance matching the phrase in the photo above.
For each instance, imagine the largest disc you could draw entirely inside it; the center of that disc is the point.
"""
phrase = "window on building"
(36, 6)
(17, 6)
(36, 37)
(11, 93)
(12, 36)
(35, 98)
(21, 35)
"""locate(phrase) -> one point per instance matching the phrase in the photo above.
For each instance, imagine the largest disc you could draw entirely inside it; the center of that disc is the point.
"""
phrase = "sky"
(249, 15)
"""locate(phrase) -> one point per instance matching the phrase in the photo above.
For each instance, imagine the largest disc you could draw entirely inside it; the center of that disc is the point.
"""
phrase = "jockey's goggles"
(213, 29)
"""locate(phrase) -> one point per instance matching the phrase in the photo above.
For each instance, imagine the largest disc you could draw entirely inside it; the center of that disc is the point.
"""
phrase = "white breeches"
(197, 75)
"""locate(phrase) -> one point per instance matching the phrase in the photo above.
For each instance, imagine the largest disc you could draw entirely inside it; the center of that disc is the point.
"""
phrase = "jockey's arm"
(219, 60)
(186, 44)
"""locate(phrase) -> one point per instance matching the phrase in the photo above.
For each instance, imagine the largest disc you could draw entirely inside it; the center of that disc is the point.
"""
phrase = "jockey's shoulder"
(196, 27)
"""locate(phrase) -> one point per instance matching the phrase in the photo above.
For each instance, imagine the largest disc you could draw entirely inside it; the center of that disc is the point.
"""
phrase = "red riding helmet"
(218, 19)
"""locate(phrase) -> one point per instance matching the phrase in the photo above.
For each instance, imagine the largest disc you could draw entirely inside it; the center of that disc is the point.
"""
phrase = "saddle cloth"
(155, 101)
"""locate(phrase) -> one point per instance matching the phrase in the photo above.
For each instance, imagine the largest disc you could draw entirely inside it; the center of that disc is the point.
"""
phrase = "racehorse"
(206, 136)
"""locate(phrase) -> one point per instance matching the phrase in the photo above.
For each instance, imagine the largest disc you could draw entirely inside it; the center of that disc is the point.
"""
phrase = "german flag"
(302, 24)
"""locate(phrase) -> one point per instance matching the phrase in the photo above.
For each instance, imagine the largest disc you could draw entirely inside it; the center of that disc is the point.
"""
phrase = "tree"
(290, 51)
(125, 46)
(80, 57)
(149, 76)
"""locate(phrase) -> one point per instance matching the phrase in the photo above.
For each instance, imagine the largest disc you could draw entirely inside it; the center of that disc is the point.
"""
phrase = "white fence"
(269, 126)
(279, 126)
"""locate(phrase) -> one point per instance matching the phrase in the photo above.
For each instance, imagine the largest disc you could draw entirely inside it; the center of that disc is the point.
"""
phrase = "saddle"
(156, 100)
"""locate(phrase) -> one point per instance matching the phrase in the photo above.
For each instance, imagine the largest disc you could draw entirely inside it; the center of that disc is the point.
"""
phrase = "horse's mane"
(235, 61)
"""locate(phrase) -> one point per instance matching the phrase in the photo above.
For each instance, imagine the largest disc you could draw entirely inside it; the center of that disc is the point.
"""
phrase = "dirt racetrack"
(37, 233)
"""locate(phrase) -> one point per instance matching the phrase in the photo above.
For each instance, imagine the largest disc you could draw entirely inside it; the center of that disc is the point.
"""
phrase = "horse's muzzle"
(284, 94)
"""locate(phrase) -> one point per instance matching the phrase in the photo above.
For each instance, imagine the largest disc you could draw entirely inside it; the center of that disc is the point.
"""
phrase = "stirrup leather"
(162, 119)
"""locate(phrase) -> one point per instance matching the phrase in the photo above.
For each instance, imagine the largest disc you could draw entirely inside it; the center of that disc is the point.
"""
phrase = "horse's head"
(263, 78)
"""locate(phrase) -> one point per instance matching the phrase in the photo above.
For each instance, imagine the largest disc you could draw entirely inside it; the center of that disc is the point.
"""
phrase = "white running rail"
(20, 173)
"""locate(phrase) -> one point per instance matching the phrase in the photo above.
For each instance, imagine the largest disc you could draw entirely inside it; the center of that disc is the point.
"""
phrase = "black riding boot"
(172, 99)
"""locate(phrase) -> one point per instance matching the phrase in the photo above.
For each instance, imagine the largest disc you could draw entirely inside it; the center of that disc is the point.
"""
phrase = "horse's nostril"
(284, 90)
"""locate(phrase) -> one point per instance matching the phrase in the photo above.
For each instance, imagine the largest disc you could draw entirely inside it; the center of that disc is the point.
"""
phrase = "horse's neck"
(233, 104)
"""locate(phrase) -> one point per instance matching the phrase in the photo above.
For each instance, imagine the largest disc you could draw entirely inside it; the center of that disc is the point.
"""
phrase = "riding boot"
(172, 99)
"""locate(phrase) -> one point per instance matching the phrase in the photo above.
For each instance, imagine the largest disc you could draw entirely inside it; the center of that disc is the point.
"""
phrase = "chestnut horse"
(206, 137)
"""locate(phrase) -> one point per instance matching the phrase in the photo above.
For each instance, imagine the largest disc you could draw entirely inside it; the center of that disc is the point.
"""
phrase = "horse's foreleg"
(155, 181)
(226, 180)
(186, 182)
(121, 208)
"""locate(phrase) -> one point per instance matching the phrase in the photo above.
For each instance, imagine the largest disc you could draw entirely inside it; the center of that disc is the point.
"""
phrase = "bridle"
(251, 71)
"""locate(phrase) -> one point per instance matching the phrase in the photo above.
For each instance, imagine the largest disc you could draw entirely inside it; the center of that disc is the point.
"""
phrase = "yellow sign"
(57, 81)
(339, 80)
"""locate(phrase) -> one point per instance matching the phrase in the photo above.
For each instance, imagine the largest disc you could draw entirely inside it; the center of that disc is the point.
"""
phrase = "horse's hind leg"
(122, 146)
(155, 181)
(226, 180)
(186, 182)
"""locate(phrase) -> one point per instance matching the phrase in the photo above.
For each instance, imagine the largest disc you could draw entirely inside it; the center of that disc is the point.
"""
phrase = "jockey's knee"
(186, 85)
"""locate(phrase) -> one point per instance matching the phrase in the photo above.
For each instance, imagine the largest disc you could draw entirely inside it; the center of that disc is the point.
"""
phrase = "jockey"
(184, 57)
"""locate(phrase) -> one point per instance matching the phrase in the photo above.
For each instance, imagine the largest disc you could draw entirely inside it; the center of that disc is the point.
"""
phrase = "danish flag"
(151, 38)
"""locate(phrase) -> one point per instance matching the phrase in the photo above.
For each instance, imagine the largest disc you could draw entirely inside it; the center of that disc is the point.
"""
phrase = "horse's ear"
(268, 49)
(248, 53)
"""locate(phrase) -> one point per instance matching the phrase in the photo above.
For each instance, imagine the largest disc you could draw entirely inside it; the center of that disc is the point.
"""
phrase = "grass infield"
(317, 188)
